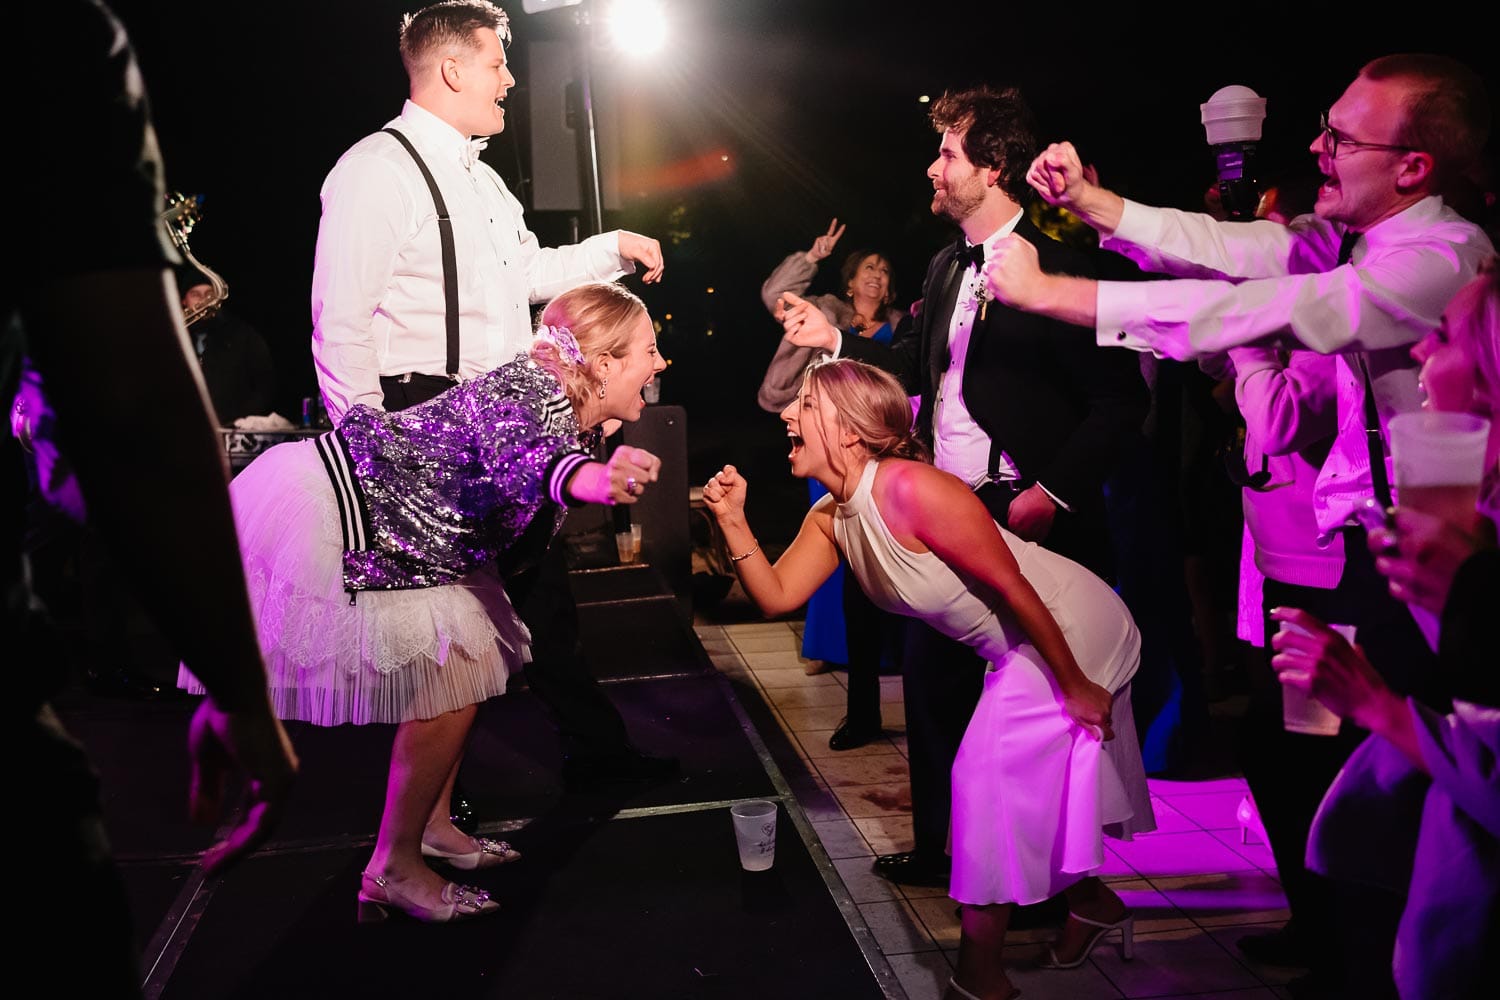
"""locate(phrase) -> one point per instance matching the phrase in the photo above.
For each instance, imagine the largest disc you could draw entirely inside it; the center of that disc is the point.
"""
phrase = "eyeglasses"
(1332, 140)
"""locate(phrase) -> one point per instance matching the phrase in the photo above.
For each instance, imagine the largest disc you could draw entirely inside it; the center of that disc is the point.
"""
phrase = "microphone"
(1232, 119)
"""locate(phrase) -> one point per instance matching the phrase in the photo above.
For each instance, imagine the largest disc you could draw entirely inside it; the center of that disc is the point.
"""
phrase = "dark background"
(814, 102)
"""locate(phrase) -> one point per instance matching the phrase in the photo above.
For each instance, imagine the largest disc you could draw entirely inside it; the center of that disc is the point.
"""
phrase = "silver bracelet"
(747, 555)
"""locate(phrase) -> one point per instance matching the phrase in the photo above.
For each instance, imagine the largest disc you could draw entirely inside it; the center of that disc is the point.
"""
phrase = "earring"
(602, 383)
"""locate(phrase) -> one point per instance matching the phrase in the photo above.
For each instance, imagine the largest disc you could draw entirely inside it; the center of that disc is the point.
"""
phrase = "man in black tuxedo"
(1025, 409)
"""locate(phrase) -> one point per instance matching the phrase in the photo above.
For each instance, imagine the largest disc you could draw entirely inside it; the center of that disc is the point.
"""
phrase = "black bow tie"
(971, 255)
(1346, 246)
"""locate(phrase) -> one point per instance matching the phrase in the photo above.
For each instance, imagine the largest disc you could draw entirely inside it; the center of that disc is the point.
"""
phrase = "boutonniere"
(982, 297)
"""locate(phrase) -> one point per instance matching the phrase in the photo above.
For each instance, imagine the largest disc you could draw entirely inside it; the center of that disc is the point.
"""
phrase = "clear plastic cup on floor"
(755, 833)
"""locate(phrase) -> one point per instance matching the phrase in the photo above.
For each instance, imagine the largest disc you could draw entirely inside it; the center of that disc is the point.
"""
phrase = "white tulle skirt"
(389, 656)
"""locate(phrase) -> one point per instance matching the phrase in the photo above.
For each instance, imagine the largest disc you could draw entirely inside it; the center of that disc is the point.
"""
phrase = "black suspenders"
(450, 256)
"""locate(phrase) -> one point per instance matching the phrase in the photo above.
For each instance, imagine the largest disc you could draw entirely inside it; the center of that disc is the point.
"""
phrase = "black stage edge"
(627, 891)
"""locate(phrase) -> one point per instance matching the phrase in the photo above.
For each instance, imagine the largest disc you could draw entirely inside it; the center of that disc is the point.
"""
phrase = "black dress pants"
(1351, 930)
(941, 680)
(870, 633)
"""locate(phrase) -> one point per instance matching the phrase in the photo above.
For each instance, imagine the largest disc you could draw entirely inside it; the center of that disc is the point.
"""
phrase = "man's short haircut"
(1447, 114)
(999, 133)
(436, 30)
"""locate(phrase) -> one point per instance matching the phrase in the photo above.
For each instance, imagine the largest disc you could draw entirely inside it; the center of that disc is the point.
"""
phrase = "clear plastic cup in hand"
(1439, 463)
(1300, 711)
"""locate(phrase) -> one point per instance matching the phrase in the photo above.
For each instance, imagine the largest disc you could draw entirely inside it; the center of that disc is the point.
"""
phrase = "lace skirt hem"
(387, 656)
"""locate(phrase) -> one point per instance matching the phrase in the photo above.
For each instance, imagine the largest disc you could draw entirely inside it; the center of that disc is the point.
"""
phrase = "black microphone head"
(1232, 118)
(1239, 191)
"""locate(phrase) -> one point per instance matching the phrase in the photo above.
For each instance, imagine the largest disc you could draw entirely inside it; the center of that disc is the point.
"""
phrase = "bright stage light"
(637, 27)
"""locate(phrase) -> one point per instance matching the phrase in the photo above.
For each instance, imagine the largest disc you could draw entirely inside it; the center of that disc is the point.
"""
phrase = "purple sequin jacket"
(429, 494)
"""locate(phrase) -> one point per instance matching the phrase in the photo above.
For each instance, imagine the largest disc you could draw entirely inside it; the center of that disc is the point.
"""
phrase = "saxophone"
(31, 416)
(182, 214)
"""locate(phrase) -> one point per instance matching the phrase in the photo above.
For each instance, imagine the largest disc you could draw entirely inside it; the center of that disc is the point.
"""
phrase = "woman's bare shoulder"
(910, 476)
(907, 488)
(925, 497)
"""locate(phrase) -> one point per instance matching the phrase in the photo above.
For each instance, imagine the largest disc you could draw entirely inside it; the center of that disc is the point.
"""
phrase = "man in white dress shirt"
(1365, 277)
(383, 313)
(378, 300)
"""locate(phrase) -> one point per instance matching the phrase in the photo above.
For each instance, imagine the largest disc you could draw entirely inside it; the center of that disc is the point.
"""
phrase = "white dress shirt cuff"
(1140, 225)
(603, 255)
(1116, 304)
(1055, 498)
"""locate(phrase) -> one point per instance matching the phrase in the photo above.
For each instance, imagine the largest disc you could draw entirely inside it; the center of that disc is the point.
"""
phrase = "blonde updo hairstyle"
(600, 315)
(871, 404)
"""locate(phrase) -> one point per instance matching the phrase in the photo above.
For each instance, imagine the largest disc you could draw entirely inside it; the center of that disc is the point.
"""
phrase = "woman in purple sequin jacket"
(369, 554)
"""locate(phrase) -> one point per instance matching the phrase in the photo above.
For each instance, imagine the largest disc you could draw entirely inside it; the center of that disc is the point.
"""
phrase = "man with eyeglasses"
(1364, 277)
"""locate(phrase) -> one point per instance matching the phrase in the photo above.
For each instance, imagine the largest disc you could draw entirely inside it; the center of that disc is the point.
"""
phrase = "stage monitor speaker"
(555, 184)
(663, 511)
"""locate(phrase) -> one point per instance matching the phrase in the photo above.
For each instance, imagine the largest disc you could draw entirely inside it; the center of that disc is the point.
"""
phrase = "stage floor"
(625, 891)
(636, 891)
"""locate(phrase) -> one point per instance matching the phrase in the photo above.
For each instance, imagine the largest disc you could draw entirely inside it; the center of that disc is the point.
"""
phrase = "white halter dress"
(1033, 792)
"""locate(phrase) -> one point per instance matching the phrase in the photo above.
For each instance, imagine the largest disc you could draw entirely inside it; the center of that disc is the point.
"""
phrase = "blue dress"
(825, 631)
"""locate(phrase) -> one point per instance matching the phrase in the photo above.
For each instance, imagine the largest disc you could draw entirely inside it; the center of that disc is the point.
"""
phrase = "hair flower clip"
(562, 339)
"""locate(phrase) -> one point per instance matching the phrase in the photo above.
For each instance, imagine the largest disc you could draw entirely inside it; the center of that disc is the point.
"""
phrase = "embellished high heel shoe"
(488, 854)
(1125, 925)
(378, 899)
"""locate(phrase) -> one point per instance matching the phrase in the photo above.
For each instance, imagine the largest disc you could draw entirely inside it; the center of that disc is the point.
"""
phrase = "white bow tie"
(471, 151)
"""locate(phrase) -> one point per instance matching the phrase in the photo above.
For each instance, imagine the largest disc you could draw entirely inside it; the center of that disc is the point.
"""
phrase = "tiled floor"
(1194, 885)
